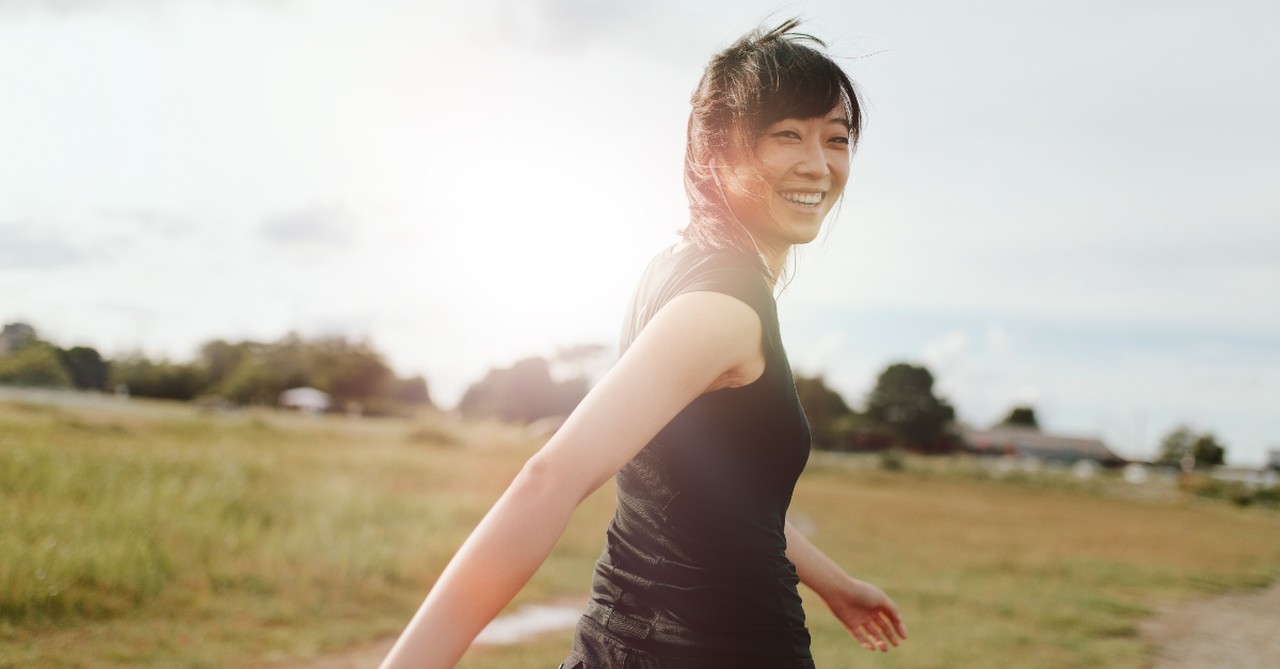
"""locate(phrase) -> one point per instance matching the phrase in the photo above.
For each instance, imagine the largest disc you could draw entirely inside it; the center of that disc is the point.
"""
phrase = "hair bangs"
(805, 84)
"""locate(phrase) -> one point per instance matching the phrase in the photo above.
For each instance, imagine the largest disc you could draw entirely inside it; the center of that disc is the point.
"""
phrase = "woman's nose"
(813, 160)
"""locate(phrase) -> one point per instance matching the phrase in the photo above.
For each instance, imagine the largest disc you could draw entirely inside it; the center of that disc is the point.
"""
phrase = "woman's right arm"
(697, 343)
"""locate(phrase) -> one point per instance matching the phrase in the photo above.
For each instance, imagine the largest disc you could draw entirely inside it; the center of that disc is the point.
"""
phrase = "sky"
(1066, 204)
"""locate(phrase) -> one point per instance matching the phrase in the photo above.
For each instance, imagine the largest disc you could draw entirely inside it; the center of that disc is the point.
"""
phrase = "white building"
(305, 399)
(1251, 478)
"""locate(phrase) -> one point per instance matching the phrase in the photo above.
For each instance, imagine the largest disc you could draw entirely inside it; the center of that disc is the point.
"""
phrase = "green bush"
(36, 364)
(893, 459)
(1269, 497)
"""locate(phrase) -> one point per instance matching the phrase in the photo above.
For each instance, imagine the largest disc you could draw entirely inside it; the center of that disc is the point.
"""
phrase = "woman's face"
(798, 172)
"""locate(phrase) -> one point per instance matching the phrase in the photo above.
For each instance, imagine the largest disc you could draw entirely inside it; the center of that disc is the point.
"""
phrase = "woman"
(699, 418)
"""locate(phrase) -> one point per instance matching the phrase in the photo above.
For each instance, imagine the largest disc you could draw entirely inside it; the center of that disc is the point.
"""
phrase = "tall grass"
(150, 535)
(177, 539)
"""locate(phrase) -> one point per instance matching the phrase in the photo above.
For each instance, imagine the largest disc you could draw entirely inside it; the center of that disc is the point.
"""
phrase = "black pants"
(594, 647)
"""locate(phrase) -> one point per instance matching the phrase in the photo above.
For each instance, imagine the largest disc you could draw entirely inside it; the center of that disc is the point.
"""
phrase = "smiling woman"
(699, 420)
(769, 145)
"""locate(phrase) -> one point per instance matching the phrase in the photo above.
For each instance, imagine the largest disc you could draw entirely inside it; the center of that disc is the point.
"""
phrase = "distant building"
(1273, 458)
(1029, 442)
(305, 399)
(1136, 473)
(1251, 478)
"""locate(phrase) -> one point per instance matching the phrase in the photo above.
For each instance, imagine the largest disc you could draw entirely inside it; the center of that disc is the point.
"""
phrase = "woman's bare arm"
(696, 343)
(869, 614)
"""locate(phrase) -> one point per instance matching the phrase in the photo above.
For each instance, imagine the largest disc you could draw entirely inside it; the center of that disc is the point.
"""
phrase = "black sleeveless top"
(694, 565)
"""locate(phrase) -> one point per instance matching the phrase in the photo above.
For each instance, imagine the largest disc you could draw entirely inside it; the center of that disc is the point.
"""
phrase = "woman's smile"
(804, 199)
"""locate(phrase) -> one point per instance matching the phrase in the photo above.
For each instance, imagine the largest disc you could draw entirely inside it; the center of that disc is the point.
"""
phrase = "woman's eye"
(787, 134)
(840, 139)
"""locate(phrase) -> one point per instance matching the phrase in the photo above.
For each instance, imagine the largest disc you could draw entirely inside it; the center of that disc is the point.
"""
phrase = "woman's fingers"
(862, 638)
(896, 618)
(869, 636)
(885, 631)
(878, 631)
(900, 626)
(882, 641)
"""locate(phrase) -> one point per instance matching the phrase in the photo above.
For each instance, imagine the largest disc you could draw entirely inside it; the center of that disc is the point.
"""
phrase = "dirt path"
(1238, 631)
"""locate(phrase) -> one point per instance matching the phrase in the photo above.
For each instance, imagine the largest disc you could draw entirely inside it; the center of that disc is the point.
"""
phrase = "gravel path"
(1238, 631)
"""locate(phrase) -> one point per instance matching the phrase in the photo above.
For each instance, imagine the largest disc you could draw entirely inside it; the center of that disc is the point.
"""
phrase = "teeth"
(808, 199)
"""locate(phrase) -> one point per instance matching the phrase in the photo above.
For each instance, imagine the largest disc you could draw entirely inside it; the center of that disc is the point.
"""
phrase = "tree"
(252, 382)
(412, 390)
(221, 358)
(588, 361)
(523, 392)
(1207, 451)
(1184, 447)
(903, 400)
(354, 374)
(164, 379)
(1023, 416)
(823, 407)
(87, 368)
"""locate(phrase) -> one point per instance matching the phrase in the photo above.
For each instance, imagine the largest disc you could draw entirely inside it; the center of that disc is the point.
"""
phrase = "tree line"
(902, 409)
(240, 373)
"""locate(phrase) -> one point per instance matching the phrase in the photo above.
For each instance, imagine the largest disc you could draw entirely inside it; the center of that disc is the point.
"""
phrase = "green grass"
(148, 534)
(172, 538)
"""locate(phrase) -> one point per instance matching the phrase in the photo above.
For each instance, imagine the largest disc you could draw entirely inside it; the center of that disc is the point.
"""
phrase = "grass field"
(147, 534)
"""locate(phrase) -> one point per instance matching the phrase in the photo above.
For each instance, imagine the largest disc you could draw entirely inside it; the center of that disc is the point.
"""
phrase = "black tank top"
(694, 565)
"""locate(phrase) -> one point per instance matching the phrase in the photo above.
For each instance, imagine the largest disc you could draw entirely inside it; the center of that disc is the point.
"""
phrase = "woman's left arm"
(869, 615)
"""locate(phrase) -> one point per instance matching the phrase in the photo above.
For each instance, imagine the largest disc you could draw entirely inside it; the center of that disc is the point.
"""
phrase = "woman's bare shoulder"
(719, 334)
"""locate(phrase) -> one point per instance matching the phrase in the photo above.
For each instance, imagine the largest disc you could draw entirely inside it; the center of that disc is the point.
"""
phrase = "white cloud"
(68, 8)
(24, 246)
(559, 25)
(317, 224)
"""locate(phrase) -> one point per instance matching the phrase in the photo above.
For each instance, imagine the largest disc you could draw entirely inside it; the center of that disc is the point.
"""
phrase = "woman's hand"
(869, 615)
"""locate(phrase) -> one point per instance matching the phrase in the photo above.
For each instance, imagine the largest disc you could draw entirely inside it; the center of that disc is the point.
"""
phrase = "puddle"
(529, 621)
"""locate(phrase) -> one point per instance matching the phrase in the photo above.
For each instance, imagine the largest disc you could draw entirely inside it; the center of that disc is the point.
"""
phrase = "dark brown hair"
(762, 78)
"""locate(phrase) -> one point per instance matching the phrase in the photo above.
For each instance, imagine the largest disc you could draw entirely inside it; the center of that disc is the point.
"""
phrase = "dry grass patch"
(1011, 574)
(152, 535)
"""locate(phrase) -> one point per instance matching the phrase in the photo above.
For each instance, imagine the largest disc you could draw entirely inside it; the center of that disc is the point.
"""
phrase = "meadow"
(152, 534)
